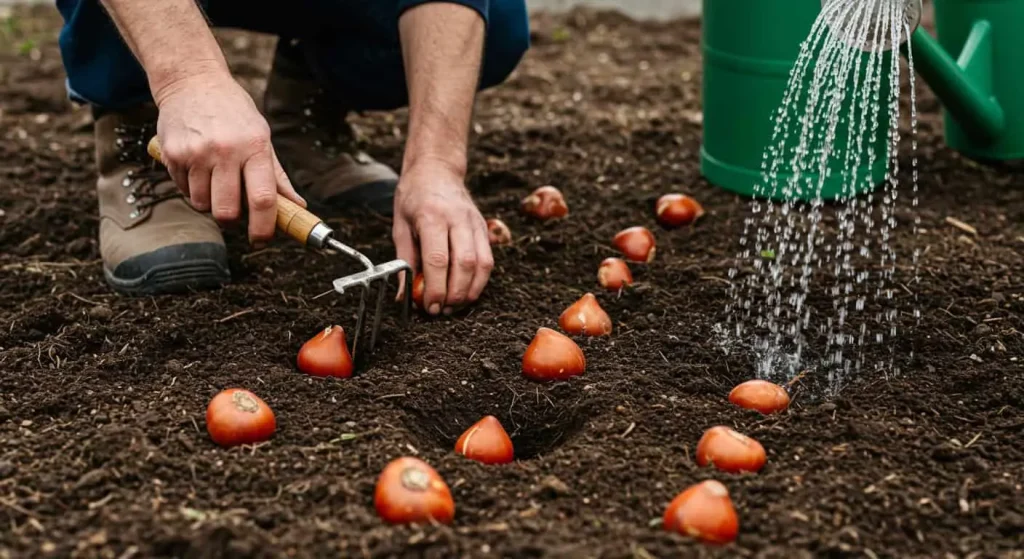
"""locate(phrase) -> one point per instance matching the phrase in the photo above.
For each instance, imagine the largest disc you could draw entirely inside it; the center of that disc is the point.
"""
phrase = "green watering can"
(750, 46)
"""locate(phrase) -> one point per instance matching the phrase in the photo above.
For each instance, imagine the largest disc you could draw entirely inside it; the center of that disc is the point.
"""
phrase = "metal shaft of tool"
(345, 249)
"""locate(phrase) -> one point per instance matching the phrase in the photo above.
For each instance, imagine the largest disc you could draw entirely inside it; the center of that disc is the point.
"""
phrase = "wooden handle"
(292, 219)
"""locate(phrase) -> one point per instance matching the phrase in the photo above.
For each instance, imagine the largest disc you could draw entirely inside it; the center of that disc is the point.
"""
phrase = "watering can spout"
(964, 85)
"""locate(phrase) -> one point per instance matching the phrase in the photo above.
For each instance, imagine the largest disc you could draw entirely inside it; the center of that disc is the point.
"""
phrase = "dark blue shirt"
(481, 6)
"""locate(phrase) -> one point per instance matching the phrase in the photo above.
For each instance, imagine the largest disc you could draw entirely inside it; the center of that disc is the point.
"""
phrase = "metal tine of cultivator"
(381, 290)
(365, 280)
(359, 324)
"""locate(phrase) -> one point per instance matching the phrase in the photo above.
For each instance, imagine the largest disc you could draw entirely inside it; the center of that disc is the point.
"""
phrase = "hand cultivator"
(308, 229)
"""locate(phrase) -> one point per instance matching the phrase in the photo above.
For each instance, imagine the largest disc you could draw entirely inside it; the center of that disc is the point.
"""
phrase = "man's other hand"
(439, 229)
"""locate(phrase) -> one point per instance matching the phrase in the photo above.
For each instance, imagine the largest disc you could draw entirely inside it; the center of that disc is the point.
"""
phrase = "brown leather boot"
(151, 239)
(317, 147)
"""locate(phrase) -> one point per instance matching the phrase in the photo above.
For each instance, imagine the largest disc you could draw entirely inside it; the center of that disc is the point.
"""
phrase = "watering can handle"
(292, 219)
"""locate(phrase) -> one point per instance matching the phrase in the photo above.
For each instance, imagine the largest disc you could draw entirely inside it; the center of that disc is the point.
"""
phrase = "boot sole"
(179, 277)
(171, 269)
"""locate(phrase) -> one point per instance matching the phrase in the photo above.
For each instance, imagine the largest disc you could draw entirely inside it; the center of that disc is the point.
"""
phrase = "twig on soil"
(18, 508)
(196, 425)
(718, 279)
(98, 504)
(974, 440)
(36, 264)
(950, 336)
(796, 379)
(259, 252)
(132, 551)
(961, 225)
(53, 427)
(346, 437)
(329, 291)
(389, 396)
(965, 506)
(641, 553)
(234, 316)
(83, 299)
(628, 430)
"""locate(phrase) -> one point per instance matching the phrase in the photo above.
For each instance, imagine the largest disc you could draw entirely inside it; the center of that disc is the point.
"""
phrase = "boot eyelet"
(130, 199)
(134, 214)
(127, 182)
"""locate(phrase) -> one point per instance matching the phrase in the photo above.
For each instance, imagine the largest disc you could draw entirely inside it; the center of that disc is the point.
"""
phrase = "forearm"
(442, 45)
(170, 38)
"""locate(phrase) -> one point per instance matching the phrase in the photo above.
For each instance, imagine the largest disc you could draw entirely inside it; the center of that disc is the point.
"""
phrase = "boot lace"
(141, 182)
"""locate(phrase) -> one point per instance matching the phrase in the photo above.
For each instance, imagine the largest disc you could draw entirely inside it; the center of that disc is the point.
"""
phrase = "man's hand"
(211, 134)
(437, 226)
(436, 218)
(213, 137)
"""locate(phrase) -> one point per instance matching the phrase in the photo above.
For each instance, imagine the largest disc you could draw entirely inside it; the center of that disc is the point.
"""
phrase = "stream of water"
(815, 284)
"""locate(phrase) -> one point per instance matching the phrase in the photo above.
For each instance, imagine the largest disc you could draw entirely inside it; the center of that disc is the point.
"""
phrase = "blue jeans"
(350, 46)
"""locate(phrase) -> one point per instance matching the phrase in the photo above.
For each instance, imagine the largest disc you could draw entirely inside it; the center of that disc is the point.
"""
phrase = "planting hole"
(538, 421)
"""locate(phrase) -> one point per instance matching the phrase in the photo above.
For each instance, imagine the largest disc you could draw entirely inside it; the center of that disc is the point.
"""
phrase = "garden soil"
(103, 446)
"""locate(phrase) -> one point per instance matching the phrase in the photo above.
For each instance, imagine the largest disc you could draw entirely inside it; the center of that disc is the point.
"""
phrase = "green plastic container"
(750, 47)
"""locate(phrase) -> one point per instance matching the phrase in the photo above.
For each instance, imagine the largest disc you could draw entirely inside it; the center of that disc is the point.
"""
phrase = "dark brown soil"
(103, 449)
